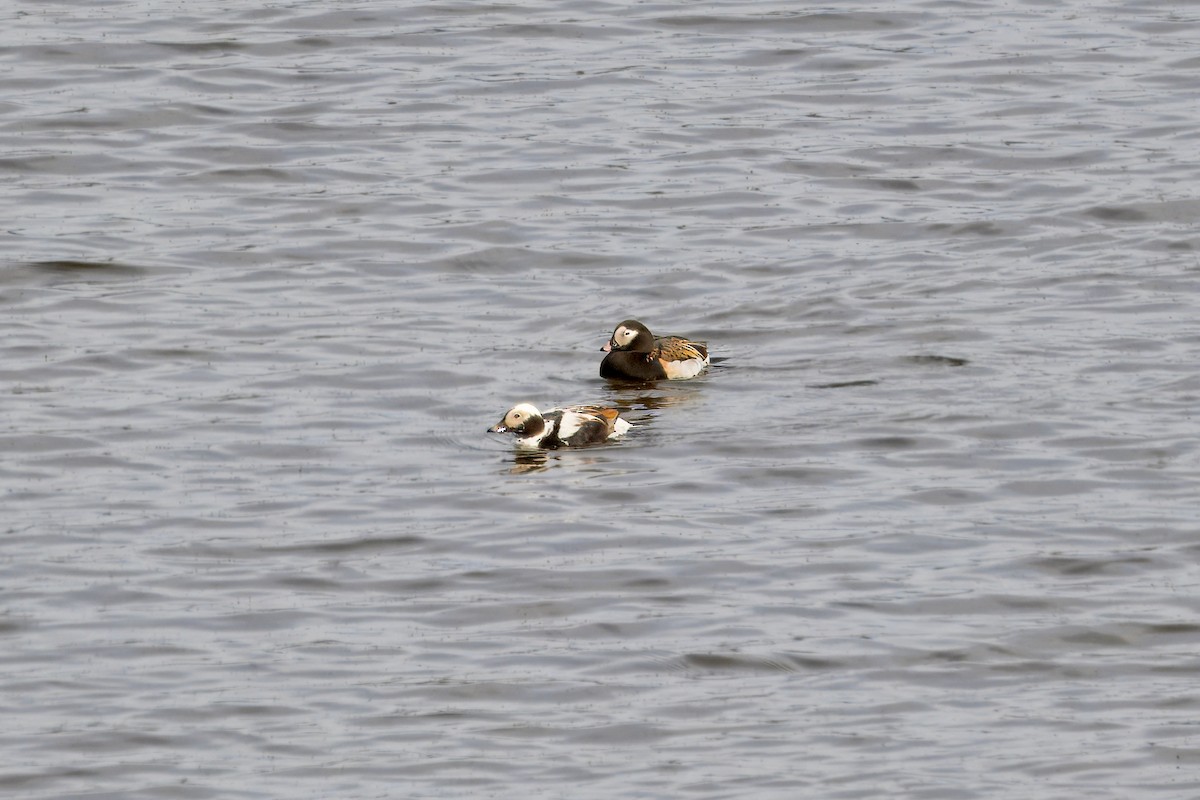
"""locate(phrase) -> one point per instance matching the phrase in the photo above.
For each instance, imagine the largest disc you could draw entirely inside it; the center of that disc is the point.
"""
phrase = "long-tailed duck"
(573, 426)
(634, 353)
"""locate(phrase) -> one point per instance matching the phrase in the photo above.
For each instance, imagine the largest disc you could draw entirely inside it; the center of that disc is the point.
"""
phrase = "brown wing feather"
(675, 348)
(608, 414)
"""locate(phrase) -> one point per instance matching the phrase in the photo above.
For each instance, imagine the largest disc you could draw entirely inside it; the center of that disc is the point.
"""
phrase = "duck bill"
(607, 347)
(499, 427)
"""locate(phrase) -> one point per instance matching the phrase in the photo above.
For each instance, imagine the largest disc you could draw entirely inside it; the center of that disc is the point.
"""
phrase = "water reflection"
(634, 396)
(529, 460)
(525, 460)
(946, 361)
(844, 384)
(70, 271)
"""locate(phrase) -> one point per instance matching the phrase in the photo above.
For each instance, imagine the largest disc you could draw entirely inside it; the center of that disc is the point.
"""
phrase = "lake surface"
(928, 528)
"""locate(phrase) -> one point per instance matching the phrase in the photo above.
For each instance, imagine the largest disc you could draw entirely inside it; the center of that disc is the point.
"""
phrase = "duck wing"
(676, 348)
(588, 424)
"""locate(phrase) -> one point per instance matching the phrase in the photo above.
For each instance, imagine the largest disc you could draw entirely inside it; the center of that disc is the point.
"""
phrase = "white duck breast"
(680, 370)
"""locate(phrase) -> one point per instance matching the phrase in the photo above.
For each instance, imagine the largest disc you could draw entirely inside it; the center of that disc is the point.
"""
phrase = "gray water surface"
(928, 528)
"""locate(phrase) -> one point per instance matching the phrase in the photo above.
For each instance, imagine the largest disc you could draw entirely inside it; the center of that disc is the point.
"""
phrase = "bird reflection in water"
(634, 396)
(526, 460)
(529, 460)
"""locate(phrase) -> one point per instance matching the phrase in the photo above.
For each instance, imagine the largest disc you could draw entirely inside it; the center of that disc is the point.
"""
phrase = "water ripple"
(272, 271)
